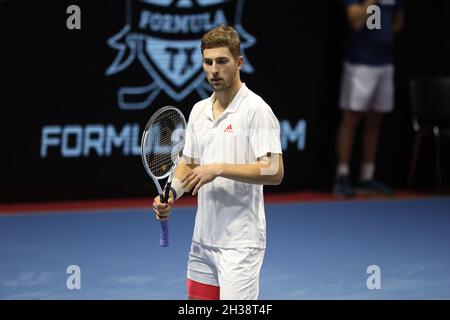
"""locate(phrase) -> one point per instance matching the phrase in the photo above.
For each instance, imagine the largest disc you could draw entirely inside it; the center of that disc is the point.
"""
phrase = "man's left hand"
(200, 176)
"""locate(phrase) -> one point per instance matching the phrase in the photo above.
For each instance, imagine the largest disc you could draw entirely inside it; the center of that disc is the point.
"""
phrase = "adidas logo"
(228, 129)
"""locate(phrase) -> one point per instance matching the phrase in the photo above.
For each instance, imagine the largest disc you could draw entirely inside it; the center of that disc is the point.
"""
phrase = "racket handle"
(164, 237)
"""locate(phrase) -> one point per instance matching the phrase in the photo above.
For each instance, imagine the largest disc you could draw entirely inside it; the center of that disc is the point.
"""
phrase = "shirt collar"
(235, 103)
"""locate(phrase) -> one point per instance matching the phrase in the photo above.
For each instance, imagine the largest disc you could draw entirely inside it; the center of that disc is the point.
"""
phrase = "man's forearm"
(268, 170)
(257, 173)
(183, 169)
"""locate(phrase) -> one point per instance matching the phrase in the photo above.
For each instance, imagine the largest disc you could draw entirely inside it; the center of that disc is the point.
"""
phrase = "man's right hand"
(162, 210)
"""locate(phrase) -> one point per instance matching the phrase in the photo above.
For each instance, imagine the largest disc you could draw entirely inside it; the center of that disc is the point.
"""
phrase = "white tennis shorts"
(235, 271)
(365, 88)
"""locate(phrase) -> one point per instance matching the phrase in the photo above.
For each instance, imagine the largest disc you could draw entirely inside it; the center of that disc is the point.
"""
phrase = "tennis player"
(232, 148)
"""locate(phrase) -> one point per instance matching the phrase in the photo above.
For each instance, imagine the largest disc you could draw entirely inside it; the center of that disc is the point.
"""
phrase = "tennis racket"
(161, 147)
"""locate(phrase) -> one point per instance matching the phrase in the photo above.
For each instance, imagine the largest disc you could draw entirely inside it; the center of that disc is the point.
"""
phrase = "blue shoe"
(343, 188)
(374, 187)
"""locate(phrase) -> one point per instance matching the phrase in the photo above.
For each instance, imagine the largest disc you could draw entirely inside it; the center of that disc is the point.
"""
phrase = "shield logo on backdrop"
(164, 36)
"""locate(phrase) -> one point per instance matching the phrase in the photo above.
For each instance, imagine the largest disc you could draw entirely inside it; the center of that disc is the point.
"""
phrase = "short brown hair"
(222, 36)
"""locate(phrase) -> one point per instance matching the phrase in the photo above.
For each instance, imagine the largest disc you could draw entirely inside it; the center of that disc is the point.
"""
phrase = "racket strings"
(163, 142)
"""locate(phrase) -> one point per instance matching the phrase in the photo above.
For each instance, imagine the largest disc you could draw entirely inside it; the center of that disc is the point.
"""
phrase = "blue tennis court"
(315, 250)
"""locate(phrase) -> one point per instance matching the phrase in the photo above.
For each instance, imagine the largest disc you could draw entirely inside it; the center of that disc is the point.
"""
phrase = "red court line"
(187, 201)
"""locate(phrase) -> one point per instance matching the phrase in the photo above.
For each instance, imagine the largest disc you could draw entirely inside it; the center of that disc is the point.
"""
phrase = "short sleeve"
(264, 133)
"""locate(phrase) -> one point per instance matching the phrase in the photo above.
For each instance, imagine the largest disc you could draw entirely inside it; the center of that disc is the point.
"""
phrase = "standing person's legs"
(383, 102)
(357, 86)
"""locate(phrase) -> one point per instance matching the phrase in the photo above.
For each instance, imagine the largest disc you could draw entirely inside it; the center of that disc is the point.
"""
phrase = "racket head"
(163, 141)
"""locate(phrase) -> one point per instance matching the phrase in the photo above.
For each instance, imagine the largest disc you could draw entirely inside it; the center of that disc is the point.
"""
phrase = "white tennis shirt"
(230, 213)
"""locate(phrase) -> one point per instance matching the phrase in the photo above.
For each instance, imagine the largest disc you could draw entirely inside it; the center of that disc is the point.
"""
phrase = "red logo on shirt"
(228, 129)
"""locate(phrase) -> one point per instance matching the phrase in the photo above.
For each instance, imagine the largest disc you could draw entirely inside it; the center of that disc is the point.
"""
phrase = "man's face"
(220, 67)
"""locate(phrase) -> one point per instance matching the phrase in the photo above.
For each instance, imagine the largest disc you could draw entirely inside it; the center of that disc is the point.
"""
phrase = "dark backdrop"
(53, 77)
